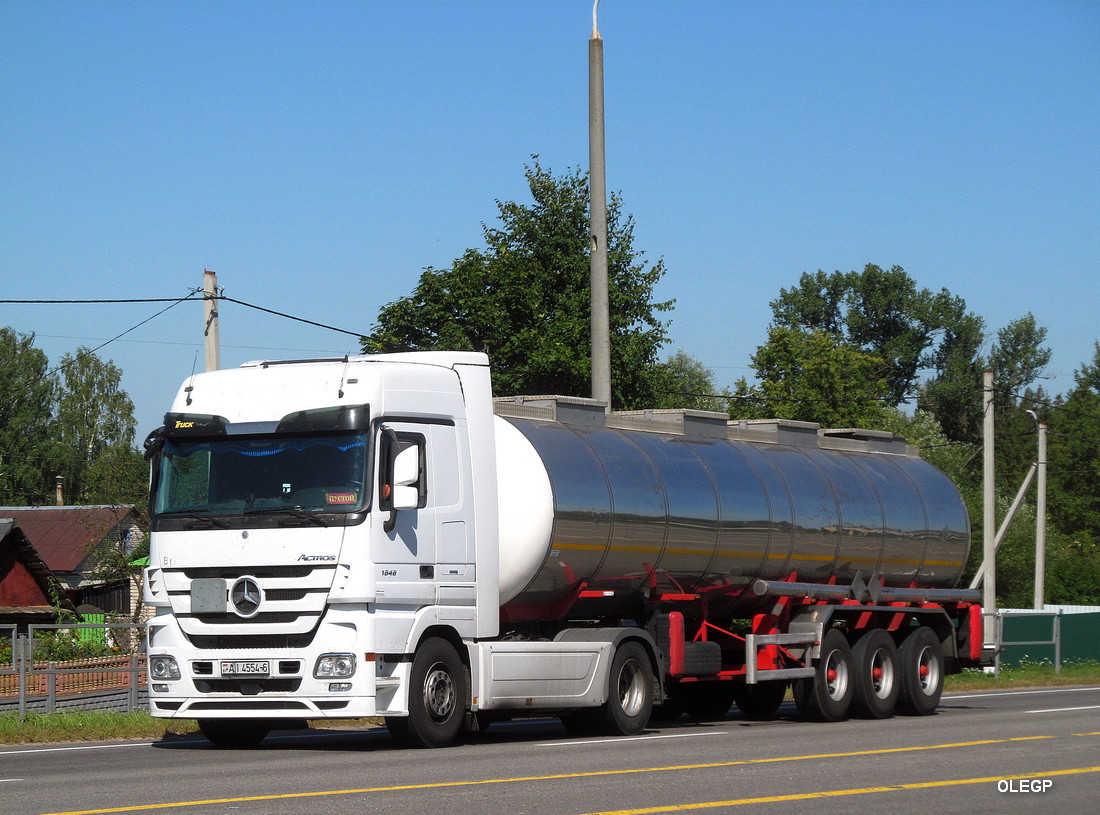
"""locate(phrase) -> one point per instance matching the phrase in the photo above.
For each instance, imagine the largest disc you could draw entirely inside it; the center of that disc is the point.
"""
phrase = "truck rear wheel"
(629, 698)
(235, 732)
(437, 698)
(759, 701)
(876, 675)
(827, 695)
(921, 667)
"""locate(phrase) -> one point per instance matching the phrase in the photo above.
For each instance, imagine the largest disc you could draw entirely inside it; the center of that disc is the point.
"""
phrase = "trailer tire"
(827, 695)
(235, 733)
(759, 701)
(921, 667)
(437, 698)
(876, 675)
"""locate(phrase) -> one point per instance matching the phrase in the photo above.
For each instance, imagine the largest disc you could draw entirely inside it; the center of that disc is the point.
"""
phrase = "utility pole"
(597, 210)
(210, 319)
(1041, 521)
(989, 515)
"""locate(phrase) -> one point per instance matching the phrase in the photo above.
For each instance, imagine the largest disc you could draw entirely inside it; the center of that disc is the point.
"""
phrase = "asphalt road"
(1002, 752)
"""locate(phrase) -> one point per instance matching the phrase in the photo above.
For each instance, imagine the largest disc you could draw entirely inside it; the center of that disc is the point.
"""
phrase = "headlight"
(332, 666)
(161, 667)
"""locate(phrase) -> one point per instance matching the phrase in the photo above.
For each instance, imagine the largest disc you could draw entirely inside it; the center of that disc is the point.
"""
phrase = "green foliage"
(812, 376)
(74, 421)
(524, 299)
(882, 313)
(27, 397)
(681, 381)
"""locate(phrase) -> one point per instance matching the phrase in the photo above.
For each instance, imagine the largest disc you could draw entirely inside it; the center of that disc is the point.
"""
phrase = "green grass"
(87, 725)
(1026, 675)
(41, 728)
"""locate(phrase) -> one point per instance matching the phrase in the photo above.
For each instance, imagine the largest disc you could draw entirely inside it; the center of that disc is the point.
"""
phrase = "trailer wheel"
(876, 675)
(235, 732)
(759, 701)
(708, 701)
(921, 667)
(437, 698)
(827, 695)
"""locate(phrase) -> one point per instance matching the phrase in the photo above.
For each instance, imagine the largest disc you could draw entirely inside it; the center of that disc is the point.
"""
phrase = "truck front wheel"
(827, 695)
(235, 732)
(437, 698)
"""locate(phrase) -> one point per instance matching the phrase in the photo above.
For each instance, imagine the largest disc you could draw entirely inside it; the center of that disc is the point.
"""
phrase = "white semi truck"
(378, 536)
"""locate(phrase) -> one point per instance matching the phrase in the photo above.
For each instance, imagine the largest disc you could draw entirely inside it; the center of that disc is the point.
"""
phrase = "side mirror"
(406, 474)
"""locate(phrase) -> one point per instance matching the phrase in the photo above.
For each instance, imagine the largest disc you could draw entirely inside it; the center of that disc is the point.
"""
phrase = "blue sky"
(318, 155)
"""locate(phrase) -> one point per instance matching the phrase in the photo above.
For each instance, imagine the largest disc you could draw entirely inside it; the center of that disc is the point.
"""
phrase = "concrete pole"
(210, 320)
(989, 514)
(1041, 521)
(597, 206)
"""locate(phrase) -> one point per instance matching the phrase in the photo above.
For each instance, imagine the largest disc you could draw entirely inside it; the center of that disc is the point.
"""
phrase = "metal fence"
(1050, 637)
(50, 668)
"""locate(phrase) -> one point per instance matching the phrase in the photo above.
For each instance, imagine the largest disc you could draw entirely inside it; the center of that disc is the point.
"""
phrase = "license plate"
(256, 667)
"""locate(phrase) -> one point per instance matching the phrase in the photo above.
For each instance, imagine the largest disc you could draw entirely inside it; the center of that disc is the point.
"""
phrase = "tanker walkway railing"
(72, 666)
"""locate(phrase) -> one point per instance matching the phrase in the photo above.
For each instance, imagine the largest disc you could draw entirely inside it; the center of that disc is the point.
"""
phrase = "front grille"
(249, 687)
(259, 619)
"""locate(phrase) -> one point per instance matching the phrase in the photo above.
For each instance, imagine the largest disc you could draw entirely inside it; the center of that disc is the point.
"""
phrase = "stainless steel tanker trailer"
(377, 536)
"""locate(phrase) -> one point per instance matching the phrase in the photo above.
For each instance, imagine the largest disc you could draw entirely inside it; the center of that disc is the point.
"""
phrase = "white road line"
(1016, 693)
(1064, 709)
(633, 738)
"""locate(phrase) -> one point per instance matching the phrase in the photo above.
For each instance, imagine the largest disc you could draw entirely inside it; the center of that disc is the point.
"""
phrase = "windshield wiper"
(296, 511)
(196, 515)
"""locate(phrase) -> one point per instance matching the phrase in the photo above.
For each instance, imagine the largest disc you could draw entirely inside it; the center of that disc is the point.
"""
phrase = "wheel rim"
(439, 692)
(928, 671)
(631, 688)
(836, 676)
(882, 674)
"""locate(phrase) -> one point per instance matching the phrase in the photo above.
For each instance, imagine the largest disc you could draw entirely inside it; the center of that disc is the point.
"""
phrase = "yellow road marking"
(775, 799)
(561, 776)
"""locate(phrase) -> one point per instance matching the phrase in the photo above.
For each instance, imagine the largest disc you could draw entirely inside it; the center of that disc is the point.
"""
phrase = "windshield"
(271, 474)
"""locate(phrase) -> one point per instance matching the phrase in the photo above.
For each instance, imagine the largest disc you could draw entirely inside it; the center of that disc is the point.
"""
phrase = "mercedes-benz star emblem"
(246, 596)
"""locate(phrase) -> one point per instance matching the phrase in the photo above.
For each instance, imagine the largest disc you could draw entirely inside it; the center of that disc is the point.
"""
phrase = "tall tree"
(524, 299)
(812, 376)
(27, 393)
(684, 382)
(95, 426)
(883, 313)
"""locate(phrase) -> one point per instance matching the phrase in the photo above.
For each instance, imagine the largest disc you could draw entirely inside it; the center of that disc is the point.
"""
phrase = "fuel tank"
(599, 509)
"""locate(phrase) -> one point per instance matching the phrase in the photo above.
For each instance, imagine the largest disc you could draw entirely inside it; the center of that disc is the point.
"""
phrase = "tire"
(875, 658)
(235, 733)
(629, 697)
(759, 701)
(708, 701)
(827, 695)
(437, 698)
(920, 661)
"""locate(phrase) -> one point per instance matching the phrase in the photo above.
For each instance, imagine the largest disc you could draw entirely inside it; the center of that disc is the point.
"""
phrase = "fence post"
(134, 681)
(19, 652)
(51, 687)
(999, 635)
(1058, 643)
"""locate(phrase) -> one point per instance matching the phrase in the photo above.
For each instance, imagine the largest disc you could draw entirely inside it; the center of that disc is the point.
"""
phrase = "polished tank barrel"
(593, 511)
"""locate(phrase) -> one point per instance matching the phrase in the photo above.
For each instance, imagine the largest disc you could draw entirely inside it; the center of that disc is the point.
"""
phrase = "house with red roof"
(68, 541)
